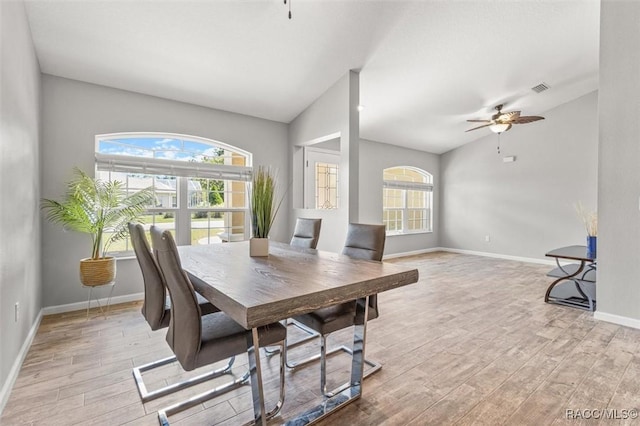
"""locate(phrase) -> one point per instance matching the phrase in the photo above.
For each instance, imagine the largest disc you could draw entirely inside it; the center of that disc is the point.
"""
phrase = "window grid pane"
(326, 186)
(211, 227)
(407, 210)
(212, 193)
(392, 219)
(417, 220)
(393, 198)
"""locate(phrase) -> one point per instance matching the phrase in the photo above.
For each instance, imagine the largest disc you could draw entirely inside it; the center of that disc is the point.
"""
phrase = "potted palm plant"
(101, 209)
(263, 209)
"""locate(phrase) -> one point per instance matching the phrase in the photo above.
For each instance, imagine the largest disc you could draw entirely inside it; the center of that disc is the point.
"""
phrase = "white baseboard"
(15, 368)
(412, 253)
(500, 256)
(617, 319)
(83, 305)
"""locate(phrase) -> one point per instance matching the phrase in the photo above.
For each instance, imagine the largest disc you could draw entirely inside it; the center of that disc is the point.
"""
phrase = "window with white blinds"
(407, 200)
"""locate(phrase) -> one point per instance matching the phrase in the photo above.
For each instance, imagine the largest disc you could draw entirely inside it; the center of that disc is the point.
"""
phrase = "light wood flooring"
(471, 343)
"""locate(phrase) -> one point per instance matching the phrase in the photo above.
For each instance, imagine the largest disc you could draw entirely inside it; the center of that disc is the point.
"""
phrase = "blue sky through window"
(159, 147)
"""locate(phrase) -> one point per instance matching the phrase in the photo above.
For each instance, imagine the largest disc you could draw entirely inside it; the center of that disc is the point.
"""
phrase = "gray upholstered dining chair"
(199, 340)
(156, 309)
(363, 242)
(306, 233)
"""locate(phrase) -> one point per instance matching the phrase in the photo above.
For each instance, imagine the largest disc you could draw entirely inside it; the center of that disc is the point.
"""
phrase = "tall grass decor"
(264, 207)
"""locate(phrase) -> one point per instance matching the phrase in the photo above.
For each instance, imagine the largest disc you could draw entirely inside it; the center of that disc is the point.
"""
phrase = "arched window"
(407, 200)
(200, 185)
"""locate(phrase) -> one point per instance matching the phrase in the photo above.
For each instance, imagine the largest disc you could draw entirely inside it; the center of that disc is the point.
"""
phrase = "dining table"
(255, 291)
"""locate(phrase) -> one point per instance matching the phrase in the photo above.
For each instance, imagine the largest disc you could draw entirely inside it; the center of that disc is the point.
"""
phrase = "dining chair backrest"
(306, 233)
(365, 241)
(185, 328)
(153, 307)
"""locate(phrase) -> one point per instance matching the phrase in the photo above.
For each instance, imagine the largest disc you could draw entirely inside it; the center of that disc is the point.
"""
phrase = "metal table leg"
(350, 391)
(255, 370)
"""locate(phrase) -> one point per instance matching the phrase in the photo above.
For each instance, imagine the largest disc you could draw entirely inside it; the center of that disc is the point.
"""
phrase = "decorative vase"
(259, 247)
(95, 272)
(591, 245)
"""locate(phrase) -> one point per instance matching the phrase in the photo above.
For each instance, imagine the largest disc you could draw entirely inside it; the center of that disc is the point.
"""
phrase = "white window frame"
(405, 187)
(183, 171)
(311, 156)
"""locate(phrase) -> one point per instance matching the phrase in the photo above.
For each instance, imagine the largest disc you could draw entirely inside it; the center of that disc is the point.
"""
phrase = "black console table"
(575, 283)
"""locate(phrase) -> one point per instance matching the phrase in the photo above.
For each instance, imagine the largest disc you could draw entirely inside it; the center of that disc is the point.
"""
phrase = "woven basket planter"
(97, 272)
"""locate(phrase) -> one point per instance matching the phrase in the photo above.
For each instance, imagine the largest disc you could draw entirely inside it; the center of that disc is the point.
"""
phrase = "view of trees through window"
(195, 205)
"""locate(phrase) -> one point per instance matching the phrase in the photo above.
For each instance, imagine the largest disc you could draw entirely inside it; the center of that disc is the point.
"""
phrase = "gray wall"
(335, 111)
(526, 207)
(618, 291)
(75, 112)
(374, 158)
(19, 185)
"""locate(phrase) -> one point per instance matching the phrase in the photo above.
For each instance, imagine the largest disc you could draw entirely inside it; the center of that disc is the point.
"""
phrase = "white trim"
(617, 319)
(400, 234)
(412, 253)
(321, 139)
(500, 256)
(161, 166)
(83, 305)
(410, 186)
(17, 365)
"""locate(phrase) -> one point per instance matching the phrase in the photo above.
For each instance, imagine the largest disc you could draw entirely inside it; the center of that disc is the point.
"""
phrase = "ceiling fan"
(502, 121)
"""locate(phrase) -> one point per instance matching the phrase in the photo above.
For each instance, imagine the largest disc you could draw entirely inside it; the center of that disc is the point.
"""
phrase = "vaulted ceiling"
(425, 66)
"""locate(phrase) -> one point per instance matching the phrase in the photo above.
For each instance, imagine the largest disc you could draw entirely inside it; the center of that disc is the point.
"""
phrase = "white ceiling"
(426, 66)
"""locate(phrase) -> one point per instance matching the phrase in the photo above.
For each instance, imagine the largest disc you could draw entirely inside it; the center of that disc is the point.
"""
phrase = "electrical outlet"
(487, 238)
(17, 312)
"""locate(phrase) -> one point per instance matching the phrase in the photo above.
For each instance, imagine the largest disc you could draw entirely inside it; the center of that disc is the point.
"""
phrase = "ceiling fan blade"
(509, 116)
(479, 127)
(527, 119)
(479, 121)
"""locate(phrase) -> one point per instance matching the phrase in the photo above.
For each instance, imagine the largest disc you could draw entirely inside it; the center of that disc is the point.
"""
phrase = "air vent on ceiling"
(540, 88)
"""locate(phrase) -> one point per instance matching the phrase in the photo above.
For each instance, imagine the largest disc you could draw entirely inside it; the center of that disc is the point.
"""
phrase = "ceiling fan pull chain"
(498, 143)
(285, 2)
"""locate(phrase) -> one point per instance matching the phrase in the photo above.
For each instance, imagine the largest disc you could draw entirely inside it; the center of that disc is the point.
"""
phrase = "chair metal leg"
(312, 334)
(147, 396)
(163, 415)
(283, 357)
(322, 356)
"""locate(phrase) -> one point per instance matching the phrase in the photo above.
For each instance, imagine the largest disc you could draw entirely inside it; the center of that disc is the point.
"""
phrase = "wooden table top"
(572, 253)
(255, 291)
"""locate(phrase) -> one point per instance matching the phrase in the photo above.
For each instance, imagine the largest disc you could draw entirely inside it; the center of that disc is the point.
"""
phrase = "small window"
(407, 200)
(322, 179)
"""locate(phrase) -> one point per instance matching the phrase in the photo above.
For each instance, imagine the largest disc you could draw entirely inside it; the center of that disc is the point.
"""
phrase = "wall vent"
(540, 87)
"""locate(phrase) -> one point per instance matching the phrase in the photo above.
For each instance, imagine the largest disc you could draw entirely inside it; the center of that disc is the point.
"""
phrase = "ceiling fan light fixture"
(500, 127)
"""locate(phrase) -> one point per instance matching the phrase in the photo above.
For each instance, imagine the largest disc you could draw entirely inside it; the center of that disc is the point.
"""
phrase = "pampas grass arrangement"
(589, 218)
